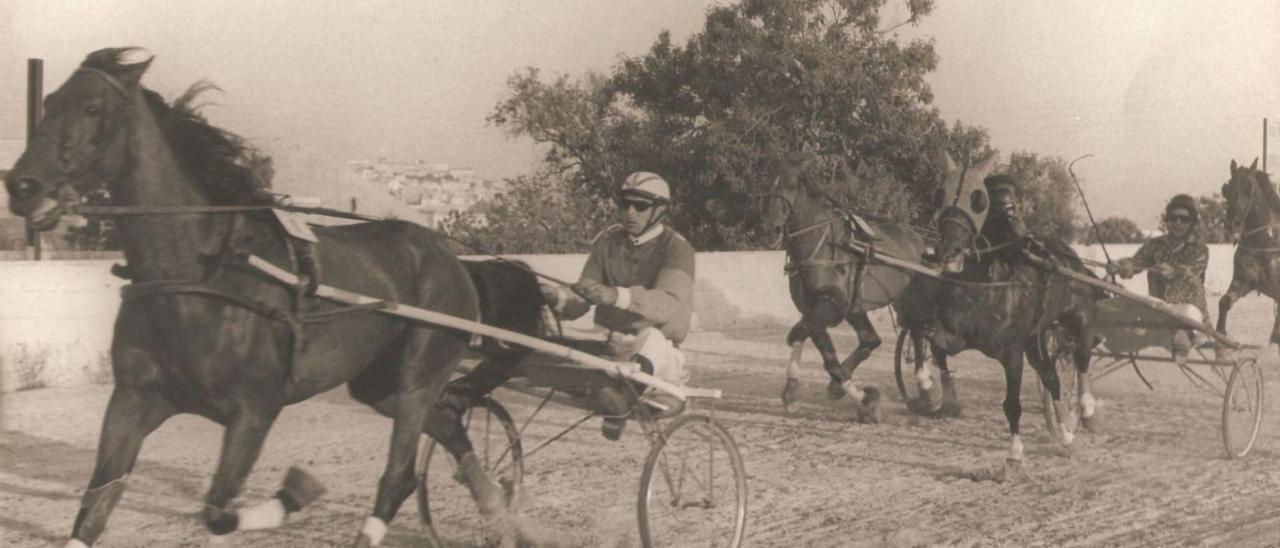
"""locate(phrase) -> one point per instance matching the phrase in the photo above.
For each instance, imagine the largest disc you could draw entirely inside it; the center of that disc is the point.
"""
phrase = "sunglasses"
(1177, 219)
(640, 207)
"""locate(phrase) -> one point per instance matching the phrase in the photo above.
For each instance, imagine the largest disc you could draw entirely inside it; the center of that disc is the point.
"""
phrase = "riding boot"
(612, 405)
(487, 493)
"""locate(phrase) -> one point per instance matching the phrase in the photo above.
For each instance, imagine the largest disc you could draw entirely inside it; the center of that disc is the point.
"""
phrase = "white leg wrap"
(1087, 405)
(796, 350)
(1015, 448)
(793, 370)
(924, 378)
(374, 529)
(75, 543)
(853, 390)
(267, 515)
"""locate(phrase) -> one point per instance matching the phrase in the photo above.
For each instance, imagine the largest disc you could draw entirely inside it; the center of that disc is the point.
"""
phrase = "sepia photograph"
(639, 273)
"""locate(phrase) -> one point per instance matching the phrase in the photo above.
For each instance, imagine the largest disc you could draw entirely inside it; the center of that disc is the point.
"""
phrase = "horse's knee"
(799, 332)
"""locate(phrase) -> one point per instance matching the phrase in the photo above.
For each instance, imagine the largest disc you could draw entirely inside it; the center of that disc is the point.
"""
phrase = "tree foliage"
(1213, 218)
(1048, 194)
(1115, 230)
(762, 79)
(535, 215)
(97, 233)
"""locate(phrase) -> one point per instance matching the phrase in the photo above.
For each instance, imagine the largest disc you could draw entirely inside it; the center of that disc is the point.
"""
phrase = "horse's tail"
(510, 298)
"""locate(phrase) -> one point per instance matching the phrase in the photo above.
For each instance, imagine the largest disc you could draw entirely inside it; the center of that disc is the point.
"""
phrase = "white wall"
(60, 313)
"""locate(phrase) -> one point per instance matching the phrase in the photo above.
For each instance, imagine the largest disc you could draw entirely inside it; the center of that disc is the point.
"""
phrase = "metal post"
(1264, 144)
(35, 112)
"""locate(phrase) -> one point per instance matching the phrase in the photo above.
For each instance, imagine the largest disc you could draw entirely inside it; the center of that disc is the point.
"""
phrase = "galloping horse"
(830, 281)
(1005, 320)
(1253, 208)
(198, 334)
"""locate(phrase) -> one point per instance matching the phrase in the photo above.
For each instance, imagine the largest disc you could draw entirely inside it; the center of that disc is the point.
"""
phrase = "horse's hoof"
(790, 394)
(923, 406)
(1015, 471)
(1091, 424)
(835, 390)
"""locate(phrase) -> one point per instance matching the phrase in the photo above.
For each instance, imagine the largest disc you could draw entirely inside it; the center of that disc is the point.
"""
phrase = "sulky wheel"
(1057, 347)
(693, 491)
(444, 504)
(1242, 407)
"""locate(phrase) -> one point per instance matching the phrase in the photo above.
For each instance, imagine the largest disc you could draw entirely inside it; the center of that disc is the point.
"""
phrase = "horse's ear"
(134, 62)
(1234, 167)
(988, 164)
(943, 158)
(1255, 164)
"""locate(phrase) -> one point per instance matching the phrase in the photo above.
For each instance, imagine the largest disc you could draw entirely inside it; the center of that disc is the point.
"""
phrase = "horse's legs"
(1238, 288)
(1012, 363)
(1046, 368)
(444, 423)
(950, 399)
(830, 361)
(430, 356)
(791, 389)
(241, 444)
(132, 414)
(868, 341)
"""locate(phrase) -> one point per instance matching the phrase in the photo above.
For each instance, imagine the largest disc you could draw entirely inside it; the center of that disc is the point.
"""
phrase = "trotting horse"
(196, 333)
(830, 281)
(1253, 220)
(1006, 321)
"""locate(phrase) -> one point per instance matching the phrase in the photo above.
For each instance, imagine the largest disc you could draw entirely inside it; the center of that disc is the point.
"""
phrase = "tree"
(1115, 230)
(1213, 218)
(761, 80)
(535, 215)
(1048, 194)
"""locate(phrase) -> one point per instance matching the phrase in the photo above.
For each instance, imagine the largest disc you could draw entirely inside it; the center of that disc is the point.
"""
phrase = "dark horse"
(1007, 321)
(1253, 218)
(198, 334)
(831, 281)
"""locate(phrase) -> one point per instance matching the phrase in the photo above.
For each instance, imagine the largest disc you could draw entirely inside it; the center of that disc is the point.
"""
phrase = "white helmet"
(645, 185)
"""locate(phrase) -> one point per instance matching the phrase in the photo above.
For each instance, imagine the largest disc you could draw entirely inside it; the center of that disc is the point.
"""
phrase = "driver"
(639, 275)
(1175, 265)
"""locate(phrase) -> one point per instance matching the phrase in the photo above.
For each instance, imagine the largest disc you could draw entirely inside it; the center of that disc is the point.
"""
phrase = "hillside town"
(434, 190)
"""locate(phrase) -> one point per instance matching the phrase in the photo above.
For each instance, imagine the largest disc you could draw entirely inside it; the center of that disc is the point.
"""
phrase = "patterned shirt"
(1189, 260)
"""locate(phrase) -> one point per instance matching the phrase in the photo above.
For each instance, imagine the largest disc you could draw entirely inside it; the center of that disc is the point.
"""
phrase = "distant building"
(434, 190)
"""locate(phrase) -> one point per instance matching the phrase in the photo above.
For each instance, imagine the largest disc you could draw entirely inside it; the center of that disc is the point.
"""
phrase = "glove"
(596, 293)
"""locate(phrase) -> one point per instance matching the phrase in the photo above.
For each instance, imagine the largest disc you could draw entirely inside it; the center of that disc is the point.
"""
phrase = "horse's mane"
(1268, 190)
(230, 170)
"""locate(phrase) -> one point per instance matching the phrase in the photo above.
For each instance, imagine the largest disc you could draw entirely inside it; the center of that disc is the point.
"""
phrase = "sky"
(1163, 94)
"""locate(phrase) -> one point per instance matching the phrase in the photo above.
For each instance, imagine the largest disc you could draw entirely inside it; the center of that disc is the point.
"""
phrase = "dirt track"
(1154, 473)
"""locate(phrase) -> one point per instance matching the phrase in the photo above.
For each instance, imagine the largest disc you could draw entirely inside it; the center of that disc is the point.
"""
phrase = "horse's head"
(1242, 192)
(82, 141)
(962, 204)
(785, 191)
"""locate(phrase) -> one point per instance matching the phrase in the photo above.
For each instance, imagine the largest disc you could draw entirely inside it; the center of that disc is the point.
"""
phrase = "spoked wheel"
(1057, 347)
(1242, 408)
(693, 491)
(907, 359)
(445, 504)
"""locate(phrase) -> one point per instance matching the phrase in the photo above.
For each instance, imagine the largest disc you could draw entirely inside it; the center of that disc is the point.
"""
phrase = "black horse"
(1005, 300)
(1253, 215)
(830, 280)
(198, 334)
